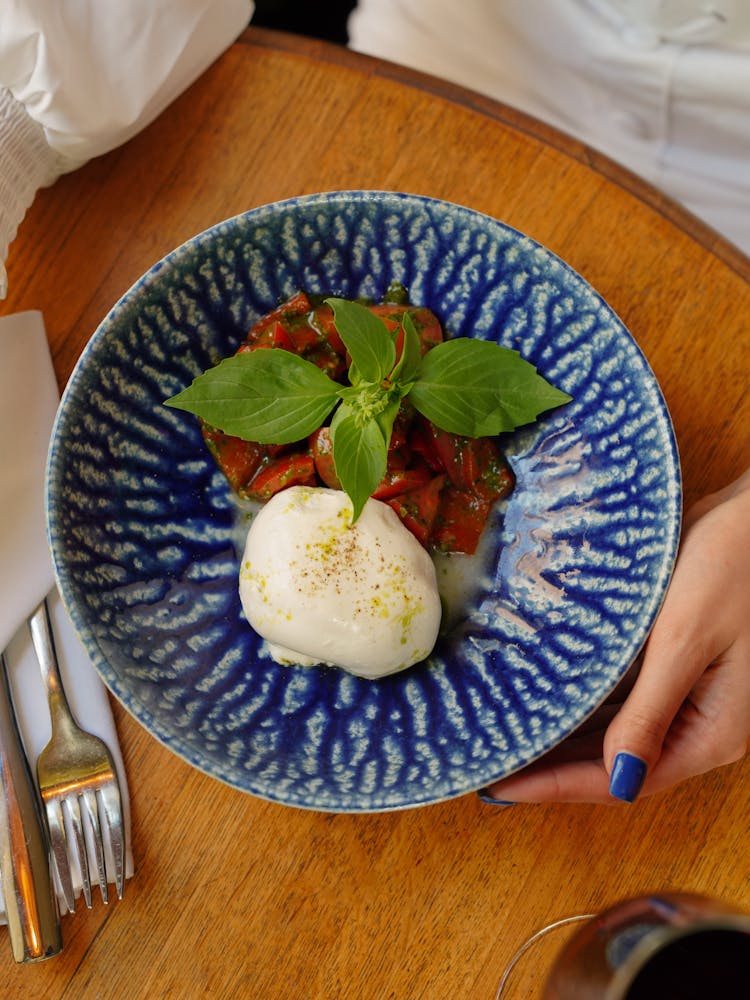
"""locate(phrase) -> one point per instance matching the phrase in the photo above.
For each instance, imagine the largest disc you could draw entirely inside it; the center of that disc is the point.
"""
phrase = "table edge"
(671, 210)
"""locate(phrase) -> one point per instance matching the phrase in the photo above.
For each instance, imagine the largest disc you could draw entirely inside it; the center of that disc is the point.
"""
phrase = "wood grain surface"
(237, 897)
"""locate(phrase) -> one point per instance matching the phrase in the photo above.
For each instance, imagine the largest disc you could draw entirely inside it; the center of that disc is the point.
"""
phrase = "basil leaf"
(477, 388)
(270, 396)
(411, 353)
(366, 338)
(526, 394)
(386, 418)
(360, 455)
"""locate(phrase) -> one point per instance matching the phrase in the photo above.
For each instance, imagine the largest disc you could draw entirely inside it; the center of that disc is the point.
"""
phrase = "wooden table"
(238, 897)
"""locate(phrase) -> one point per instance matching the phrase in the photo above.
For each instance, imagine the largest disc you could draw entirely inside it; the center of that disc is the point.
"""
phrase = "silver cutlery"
(30, 902)
(78, 783)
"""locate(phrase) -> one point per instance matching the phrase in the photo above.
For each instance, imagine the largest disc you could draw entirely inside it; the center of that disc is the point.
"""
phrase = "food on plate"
(370, 407)
(416, 425)
(320, 589)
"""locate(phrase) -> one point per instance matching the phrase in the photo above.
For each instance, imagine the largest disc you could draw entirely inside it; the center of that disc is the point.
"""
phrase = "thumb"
(692, 629)
(634, 739)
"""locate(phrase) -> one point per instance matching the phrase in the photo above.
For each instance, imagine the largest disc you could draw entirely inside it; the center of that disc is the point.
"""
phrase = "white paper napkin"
(28, 402)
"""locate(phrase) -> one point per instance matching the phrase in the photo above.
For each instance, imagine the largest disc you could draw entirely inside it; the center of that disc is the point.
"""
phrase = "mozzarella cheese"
(320, 589)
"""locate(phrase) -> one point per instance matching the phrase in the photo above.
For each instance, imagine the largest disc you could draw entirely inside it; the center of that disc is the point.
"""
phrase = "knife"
(30, 900)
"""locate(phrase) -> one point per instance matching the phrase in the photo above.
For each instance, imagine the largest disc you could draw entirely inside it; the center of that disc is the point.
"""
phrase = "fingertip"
(634, 742)
(627, 776)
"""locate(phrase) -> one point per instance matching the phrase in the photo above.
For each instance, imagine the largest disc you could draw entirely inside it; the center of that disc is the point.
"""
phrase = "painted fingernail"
(627, 777)
(485, 796)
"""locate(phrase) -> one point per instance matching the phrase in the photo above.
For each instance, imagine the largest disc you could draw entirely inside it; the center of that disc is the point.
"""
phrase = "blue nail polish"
(485, 796)
(627, 777)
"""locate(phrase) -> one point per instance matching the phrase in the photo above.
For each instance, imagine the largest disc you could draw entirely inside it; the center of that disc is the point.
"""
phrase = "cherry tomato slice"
(421, 443)
(426, 323)
(418, 509)
(460, 521)
(239, 460)
(297, 469)
(455, 454)
(397, 481)
(275, 335)
(428, 327)
(496, 479)
(328, 361)
(297, 305)
(321, 319)
(322, 452)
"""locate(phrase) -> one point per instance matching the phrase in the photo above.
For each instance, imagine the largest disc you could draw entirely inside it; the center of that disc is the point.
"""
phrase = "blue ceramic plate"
(146, 535)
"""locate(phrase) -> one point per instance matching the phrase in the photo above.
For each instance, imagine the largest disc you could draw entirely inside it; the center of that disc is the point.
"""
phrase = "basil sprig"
(468, 387)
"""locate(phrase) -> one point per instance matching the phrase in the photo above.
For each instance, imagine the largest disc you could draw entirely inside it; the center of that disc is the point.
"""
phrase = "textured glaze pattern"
(146, 535)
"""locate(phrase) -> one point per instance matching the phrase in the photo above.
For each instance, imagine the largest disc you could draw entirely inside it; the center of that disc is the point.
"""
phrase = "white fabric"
(90, 74)
(28, 402)
(27, 162)
(661, 86)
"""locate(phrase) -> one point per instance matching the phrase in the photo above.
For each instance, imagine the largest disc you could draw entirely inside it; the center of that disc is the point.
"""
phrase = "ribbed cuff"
(26, 163)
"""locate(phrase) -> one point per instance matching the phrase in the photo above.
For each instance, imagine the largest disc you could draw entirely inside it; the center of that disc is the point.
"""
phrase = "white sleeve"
(79, 77)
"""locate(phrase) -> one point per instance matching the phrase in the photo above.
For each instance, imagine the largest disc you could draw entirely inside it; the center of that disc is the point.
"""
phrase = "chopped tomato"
(402, 424)
(328, 361)
(496, 480)
(474, 464)
(421, 443)
(275, 335)
(454, 454)
(297, 469)
(274, 450)
(301, 336)
(460, 521)
(239, 460)
(428, 327)
(418, 509)
(296, 327)
(397, 481)
(391, 313)
(441, 485)
(297, 305)
(321, 319)
(322, 451)
(425, 322)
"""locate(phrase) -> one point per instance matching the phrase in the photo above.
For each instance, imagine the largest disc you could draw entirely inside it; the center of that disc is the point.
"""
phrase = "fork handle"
(30, 903)
(44, 647)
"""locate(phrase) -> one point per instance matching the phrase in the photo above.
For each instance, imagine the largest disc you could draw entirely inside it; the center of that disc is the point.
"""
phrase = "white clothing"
(662, 86)
(79, 77)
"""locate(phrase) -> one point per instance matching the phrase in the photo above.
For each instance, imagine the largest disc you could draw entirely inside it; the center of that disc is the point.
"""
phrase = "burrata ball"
(320, 589)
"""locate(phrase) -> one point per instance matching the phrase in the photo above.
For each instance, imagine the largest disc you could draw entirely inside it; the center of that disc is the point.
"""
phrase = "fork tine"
(110, 797)
(59, 844)
(91, 811)
(74, 811)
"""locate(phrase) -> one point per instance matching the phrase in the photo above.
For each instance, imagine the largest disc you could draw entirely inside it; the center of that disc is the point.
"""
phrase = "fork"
(76, 776)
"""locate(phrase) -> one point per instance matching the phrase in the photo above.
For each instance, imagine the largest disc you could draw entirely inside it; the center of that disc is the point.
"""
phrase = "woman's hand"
(689, 709)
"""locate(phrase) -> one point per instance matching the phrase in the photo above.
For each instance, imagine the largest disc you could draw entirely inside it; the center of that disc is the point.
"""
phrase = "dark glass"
(664, 946)
(703, 965)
